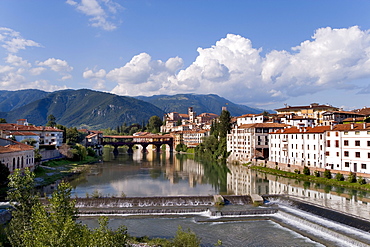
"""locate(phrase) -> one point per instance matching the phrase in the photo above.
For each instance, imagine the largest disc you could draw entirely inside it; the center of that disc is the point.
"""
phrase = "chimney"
(352, 126)
(364, 125)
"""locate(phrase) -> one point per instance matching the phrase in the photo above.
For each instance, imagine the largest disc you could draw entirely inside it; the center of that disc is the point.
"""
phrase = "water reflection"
(145, 174)
(243, 181)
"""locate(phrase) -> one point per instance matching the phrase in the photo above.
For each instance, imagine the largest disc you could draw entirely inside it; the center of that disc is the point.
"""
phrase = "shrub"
(361, 180)
(306, 171)
(186, 238)
(352, 178)
(339, 177)
(296, 171)
(327, 174)
(316, 173)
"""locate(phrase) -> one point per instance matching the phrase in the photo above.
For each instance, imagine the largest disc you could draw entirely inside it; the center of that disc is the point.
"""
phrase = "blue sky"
(260, 53)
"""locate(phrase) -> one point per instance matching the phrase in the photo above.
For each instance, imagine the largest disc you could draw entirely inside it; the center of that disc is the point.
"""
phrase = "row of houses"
(317, 136)
(18, 141)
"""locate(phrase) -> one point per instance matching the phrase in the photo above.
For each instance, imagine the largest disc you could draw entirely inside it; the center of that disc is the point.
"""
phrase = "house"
(339, 117)
(313, 110)
(16, 155)
(250, 141)
(348, 148)
(299, 146)
(48, 136)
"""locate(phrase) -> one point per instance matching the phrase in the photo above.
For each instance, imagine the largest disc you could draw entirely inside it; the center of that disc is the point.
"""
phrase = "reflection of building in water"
(184, 169)
(344, 202)
(243, 181)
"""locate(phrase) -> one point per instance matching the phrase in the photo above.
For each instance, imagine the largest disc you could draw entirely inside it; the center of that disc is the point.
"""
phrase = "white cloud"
(17, 61)
(102, 12)
(57, 65)
(143, 76)
(12, 41)
(37, 71)
(66, 77)
(234, 69)
(89, 74)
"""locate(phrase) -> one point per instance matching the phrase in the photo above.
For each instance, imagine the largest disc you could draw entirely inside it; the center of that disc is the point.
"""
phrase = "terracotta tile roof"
(262, 125)
(351, 119)
(14, 146)
(351, 127)
(17, 133)
(249, 115)
(312, 106)
(295, 130)
(13, 127)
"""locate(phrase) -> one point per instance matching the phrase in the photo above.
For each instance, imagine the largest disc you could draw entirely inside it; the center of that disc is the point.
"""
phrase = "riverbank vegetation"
(352, 182)
(214, 146)
(54, 223)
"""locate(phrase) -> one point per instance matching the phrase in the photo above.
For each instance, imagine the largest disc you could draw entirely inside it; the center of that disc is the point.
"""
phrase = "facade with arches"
(16, 155)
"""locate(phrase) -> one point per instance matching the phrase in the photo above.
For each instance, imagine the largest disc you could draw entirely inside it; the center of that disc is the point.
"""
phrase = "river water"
(171, 174)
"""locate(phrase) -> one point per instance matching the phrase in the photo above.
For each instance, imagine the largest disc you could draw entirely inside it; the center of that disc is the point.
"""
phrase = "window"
(368, 155)
(357, 143)
(328, 133)
(357, 154)
(345, 132)
(336, 133)
(363, 166)
(337, 143)
(345, 142)
(346, 153)
(337, 154)
(346, 164)
(368, 143)
(328, 143)
(327, 153)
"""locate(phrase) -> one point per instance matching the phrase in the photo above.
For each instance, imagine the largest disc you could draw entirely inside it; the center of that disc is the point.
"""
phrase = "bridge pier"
(144, 147)
(115, 150)
(158, 147)
(130, 149)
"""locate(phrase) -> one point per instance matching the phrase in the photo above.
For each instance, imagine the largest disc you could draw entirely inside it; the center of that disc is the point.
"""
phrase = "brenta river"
(169, 174)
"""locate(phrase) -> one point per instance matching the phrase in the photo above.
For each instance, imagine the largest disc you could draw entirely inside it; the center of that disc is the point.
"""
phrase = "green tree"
(51, 121)
(3, 120)
(179, 122)
(54, 223)
(29, 141)
(186, 238)
(306, 171)
(73, 136)
(327, 174)
(155, 124)
(224, 125)
(22, 196)
(79, 152)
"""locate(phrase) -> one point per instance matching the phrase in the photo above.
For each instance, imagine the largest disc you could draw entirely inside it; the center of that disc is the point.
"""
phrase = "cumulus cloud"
(17, 61)
(12, 41)
(57, 65)
(233, 68)
(142, 75)
(102, 12)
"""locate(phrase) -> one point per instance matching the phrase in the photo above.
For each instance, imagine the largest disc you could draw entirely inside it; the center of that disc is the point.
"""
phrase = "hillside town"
(321, 137)
(318, 136)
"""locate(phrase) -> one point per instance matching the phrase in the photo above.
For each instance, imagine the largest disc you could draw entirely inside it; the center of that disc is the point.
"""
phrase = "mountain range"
(98, 110)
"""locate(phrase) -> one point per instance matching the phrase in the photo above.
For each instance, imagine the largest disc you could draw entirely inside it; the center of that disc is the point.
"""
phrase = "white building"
(348, 148)
(16, 155)
(193, 138)
(250, 119)
(299, 146)
(250, 141)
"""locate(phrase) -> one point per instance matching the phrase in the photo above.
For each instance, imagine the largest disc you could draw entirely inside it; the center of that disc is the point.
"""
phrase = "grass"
(312, 178)
(54, 170)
